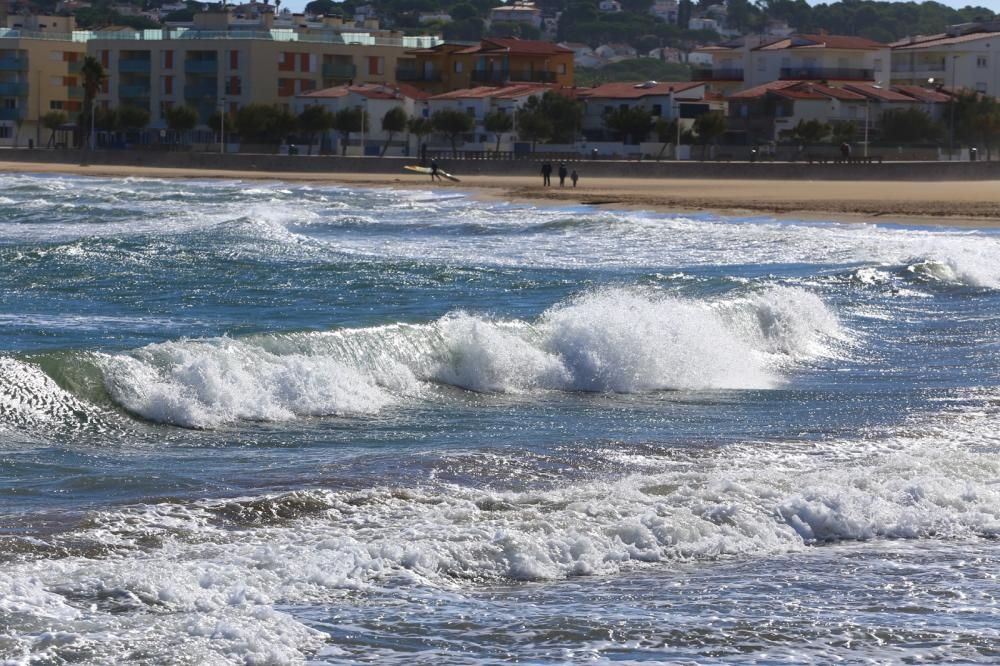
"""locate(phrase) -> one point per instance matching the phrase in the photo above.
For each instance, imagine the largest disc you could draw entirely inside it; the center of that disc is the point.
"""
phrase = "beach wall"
(900, 171)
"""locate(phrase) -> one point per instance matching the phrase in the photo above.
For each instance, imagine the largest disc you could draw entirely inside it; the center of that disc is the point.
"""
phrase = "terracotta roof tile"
(923, 94)
(515, 46)
(944, 40)
(822, 42)
(872, 91)
(368, 90)
(636, 90)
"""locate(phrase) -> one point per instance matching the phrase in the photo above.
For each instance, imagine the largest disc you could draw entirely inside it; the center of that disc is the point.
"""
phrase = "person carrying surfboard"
(434, 171)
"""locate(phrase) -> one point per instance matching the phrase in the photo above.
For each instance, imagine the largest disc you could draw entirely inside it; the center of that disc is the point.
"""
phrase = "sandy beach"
(952, 203)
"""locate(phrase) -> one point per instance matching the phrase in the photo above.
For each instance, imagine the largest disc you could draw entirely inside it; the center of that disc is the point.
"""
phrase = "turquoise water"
(272, 423)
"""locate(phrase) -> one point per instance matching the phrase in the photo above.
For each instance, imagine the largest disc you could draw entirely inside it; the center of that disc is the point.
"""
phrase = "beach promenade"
(953, 194)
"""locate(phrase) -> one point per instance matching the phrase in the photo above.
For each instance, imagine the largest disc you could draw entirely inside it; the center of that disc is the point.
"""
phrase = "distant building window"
(471, 110)
(981, 87)
(56, 56)
(56, 104)
(5, 132)
(561, 68)
(657, 110)
(982, 62)
(458, 67)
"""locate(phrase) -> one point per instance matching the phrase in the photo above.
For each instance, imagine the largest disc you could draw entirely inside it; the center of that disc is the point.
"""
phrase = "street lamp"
(364, 107)
(222, 128)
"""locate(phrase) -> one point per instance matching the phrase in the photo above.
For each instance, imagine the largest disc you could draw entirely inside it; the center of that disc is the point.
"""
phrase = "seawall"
(890, 171)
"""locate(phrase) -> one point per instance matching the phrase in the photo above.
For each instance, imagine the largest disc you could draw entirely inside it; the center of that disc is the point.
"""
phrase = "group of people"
(563, 172)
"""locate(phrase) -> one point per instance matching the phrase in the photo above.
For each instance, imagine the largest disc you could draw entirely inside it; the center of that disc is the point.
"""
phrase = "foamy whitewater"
(261, 423)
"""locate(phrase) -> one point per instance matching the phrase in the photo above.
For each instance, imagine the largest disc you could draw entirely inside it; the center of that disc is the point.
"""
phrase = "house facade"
(967, 57)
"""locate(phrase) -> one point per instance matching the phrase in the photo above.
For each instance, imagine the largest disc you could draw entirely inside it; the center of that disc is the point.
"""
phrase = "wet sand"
(950, 203)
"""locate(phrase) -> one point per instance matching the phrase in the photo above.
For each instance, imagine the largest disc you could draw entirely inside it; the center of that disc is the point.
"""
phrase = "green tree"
(666, 132)
(315, 120)
(393, 122)
(131, 118)
(908, 126)
(453, 123)
(346, 122)
(534, 126)
(498, 123)
(632, 123)
(181, 119)
(420, 128)
(262, 123)
(809, 132)
(708, 127)
(843, 132)
(106, 119)
(93, 78)
(463, 11)
(53, 120)
(564, 115)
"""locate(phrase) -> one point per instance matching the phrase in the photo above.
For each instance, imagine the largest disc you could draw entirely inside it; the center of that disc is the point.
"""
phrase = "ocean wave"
(230, 562)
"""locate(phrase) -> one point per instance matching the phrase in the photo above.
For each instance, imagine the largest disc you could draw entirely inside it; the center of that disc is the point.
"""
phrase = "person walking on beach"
(434, 171)
(845, 151)
(546, 174)
(574, 177)
(562, 174)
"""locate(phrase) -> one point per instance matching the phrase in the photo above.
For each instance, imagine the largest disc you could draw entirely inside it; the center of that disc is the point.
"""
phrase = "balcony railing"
(709, 74)
(19, 89)
(13, 64)
(200, 90)
(338, 71)
(826, 74)
(502, 75)
(74, 67)
(9, 114)
(134, 65)
(134, 90)
(75, 92)
(201, 66)
(417, 75)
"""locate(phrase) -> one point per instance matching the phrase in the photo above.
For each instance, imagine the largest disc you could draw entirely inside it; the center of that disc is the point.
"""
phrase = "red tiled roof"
(822, 42)
(799, 90)
(635, 90)
(499, 92)
(369, 91)
(873, 91)
(942, 40)
(923, 94)
(516, 46)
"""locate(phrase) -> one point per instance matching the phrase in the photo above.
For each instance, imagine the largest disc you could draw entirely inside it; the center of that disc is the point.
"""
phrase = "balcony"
(9, 114)
(134, 66)
(502, 76)
(74, 67)
(134, 90)
(201, 66)
(235, 89)
(14, 89)
(74, 92)
(826, 74)
(13, 64)
(709, 74)
(416, 75)
(333, 70)
(201, 90)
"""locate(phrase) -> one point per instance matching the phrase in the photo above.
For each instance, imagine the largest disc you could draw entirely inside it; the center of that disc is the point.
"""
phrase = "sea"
(284, 423)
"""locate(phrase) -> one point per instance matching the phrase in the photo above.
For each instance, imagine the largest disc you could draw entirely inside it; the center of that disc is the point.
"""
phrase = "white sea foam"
(616, 340)
(211, 585)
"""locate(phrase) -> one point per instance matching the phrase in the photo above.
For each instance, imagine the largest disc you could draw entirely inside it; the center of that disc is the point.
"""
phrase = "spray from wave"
(613, 340)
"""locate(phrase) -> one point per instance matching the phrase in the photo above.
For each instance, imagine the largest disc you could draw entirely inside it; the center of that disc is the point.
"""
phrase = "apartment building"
(834, 59)
(39, 72)
(967, 56)
(208, 70)
(494, 61)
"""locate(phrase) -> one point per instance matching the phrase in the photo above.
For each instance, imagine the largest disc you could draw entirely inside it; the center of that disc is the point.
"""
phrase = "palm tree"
(93, 78)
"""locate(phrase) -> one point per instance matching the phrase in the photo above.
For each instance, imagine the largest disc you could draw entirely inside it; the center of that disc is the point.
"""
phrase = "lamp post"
(364, 107)
(222, 128)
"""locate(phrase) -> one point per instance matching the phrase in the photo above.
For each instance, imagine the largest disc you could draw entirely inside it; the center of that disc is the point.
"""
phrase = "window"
(982, 62)
(981, 87)
(168, 60)
(56, 56)
(105, 58)
(458, 68)
(471, 110)
(56, 104)
(376, 65)
(234, 60)
(657, 110)
(10, 104)
(5, 132)
(304, 62)
(168, 85)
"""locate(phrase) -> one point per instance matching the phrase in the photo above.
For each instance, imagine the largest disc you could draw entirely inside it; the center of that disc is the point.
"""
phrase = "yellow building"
(39, 72)
(158, 69)
(494, 61)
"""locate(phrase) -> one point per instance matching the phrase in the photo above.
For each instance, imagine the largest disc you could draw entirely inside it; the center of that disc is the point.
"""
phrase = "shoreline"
(967, 204)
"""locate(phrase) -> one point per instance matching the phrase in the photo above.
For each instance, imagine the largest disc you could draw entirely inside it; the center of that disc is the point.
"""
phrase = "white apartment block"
(966, 57)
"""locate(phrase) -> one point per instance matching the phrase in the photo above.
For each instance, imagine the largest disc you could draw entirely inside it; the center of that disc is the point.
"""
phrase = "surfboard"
(427, 170)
